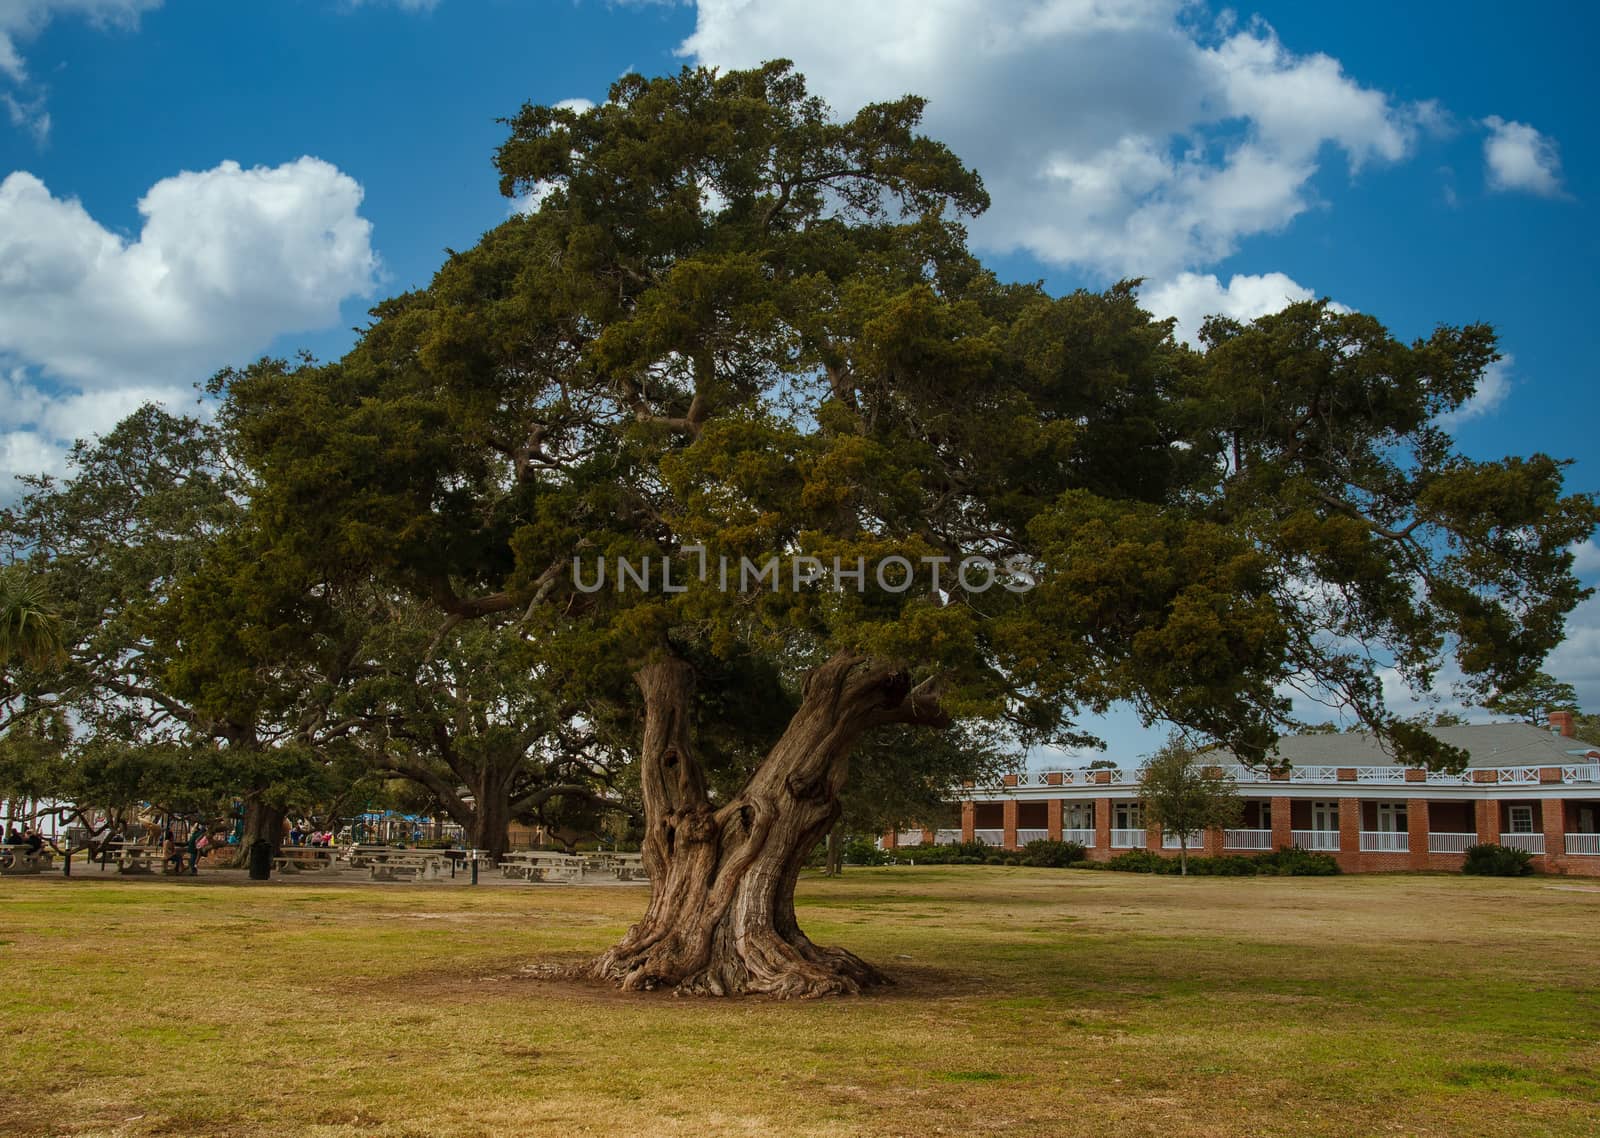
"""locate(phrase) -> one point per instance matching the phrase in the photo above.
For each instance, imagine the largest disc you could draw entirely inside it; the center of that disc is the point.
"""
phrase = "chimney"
(1561, 723)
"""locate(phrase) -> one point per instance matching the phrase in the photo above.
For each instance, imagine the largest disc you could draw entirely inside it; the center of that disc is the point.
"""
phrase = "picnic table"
(363, 854)
(623, 866)
(294, 859)
(542, 865)
(135, 857)
(18, 860)
(390, 863)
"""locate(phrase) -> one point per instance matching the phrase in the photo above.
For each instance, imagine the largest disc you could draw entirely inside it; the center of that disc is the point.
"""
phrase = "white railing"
(946, 837)
(1587, 844)
(1193, 840)
(1380, 774)
(1316, 839)
(908, 838)
(1128, 839)
(1385, 841)
(1026, 836)
(989, 837)
(1313, 774)
(1252, 776)
(1450, 843)
(1084, 838)
(1247, 839)
(1533, 843)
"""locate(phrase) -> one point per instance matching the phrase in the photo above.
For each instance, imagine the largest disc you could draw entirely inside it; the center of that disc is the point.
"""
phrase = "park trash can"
(260, 859)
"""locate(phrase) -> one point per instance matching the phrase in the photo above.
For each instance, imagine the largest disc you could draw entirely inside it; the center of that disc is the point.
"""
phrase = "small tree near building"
(1183, 796)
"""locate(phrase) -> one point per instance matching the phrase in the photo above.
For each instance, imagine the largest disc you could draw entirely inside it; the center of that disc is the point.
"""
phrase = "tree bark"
(834, 866)
(491, 818)
(261, 820)
(721, 917)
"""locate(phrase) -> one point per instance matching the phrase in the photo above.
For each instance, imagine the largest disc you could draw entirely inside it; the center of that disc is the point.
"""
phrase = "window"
(1521, 819)
(1325, 816)
(1264, 814)
(1080, 816)
(1391, 817)
(1129, 816)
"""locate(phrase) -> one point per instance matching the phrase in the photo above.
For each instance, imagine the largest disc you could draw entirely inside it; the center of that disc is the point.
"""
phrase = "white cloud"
(227, 259)
(1577, 660)
(1586, 558)
(93, 324)
(21, 21)
(1518, 157)
(28, 115)
(403, 5)
(1492, 391)
(1191, 297)
(1115, 137)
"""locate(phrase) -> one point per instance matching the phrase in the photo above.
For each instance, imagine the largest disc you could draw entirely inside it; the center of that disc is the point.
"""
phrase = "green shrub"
(1286, 862)
(1139, 861)
(1047, 854)
(860, 851)
(954, 854)
(1491, 860)
(1292, 861)
(994, 859)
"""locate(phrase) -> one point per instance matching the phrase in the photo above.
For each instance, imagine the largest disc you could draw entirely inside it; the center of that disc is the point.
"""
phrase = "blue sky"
(1426, 163)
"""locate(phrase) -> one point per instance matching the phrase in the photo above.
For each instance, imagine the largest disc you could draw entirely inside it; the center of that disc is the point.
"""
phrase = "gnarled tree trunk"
(490, 821)
(261, 820)
(721, 918)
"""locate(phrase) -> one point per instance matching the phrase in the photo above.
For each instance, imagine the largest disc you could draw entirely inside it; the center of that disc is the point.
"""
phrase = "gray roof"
(1489, 744)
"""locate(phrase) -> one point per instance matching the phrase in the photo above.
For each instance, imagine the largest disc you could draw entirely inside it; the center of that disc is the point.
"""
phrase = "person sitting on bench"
(171, 854)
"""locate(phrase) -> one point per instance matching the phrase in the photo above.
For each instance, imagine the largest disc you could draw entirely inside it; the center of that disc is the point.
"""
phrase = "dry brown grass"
(1030, 1002)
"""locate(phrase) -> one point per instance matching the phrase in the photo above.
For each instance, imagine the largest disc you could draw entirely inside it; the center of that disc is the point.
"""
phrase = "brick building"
(1534, 788)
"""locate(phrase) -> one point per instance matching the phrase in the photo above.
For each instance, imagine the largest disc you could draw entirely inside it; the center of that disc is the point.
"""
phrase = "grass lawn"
(1029, 1002)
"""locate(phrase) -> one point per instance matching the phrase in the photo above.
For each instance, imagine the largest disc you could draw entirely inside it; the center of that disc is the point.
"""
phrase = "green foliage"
(1534, 699)
(1184, 796)
(1287, 862)
(1292, 861)
(1042, 853)
(1046, 854)
(1490, 860)
(30, 626)
(862, 851)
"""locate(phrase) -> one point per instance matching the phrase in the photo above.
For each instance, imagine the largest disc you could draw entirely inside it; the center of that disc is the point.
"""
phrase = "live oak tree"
(461, 716)
(903, 775)
(1184, 796)
(732, 326)
(184, 651)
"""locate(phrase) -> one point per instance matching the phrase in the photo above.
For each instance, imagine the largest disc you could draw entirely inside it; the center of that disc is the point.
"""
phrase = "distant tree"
(1329, 728)
(464, 716)
(1437, 719)
(1586, 725)
(1533, 700)
(901, 775)
(1182, 795)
